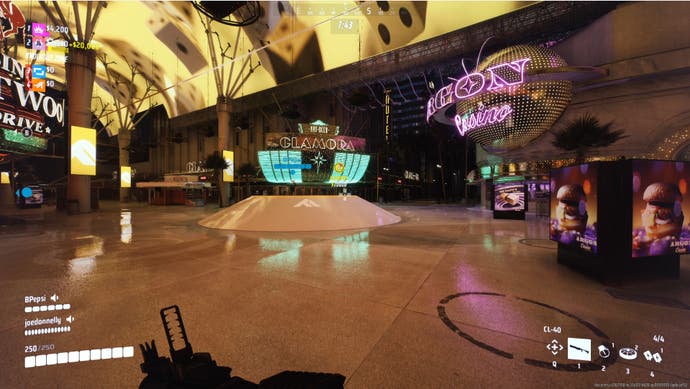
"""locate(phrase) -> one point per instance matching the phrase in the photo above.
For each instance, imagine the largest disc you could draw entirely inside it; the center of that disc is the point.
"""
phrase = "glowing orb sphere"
(506, 117)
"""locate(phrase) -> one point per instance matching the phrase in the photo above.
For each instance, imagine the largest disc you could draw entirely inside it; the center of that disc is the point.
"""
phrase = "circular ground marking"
(542, 243)
(570, 367)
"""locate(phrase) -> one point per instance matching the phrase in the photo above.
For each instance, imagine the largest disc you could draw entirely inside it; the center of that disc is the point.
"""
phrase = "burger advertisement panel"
(509, 197)
(573, 208)
(660, 203)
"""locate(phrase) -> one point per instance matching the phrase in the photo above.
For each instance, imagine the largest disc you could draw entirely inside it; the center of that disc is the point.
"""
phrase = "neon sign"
(318, 127)
(27, 114)
(499, 76)
(316, 143)
(387, 109)
(482, 117)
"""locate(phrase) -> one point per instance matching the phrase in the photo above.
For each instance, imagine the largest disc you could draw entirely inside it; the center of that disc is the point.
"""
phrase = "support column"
(123, 141)
(80, 68)
(223, 109)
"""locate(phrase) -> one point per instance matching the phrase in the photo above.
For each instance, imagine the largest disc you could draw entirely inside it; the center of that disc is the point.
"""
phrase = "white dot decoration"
(536, 105)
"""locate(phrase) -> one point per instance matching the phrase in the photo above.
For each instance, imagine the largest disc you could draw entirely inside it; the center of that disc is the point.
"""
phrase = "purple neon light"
(482, 117)
(507, 74)
(498, 76)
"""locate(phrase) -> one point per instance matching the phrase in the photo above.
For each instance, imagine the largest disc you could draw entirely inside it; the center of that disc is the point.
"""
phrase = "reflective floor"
(448, 298)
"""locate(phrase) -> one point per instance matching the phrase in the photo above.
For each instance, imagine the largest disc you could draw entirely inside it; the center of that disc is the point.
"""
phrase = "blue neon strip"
(292, 166)
(281, 166)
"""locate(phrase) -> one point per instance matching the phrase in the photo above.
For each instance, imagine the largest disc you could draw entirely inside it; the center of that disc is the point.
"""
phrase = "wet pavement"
(447, 298)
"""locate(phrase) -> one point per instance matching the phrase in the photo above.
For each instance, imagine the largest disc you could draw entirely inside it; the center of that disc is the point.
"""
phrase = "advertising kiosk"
(621, 217)
(509, 198)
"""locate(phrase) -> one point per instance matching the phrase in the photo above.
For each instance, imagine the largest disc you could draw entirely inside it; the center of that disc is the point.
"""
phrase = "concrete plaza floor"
(447, 298)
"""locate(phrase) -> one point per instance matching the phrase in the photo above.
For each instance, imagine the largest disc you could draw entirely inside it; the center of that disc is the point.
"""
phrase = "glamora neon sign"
(482, 117)
(495, 78)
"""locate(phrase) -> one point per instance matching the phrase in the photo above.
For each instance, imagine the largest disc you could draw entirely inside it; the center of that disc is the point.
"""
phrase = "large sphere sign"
(511, 110)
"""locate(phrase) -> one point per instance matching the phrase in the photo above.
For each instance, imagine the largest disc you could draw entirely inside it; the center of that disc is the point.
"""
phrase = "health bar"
(51, 330)
(44, 308)
(78, 356)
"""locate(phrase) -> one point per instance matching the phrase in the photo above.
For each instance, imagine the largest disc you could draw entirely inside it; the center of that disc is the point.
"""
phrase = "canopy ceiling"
(168, 44)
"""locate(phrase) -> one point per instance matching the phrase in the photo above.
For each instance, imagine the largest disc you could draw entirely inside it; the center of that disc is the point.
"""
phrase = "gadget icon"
(604, 351)
(648, 355)
(554, 347)
(657, 357)
(627, 353)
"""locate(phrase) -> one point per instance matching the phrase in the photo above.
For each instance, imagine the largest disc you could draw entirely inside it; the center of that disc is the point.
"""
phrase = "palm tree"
(217, 164)
(585, 133)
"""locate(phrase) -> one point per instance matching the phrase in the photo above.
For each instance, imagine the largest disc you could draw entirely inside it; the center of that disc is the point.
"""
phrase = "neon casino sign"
(497, 77)
(26, 115)
(482, 117)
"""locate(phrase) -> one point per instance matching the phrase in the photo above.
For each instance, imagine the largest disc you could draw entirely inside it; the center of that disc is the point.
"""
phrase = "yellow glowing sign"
(4, 177)
(83, 151)
(229, 173)
(125, 177)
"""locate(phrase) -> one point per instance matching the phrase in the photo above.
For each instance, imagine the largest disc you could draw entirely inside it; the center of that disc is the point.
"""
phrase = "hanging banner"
(125, 177)
(83, 151)
(229, 173)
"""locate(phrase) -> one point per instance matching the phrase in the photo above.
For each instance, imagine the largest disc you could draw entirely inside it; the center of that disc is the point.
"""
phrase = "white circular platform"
(300, 213)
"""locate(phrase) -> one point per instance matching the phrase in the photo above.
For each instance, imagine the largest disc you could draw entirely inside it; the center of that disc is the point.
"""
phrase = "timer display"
(345, 26)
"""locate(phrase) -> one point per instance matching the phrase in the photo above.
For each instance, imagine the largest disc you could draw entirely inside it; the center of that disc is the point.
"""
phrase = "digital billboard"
(660, 204)
(298, 167)
(83, 151)
(348, 168)
(573, 209)
(29, 115)
(509, 196)
(125, 177)
(317, 154)
(229, 172)
(282, 166)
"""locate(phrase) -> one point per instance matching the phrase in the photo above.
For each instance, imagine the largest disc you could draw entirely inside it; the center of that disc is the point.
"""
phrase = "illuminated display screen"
(660, 203)
(509, 196)
(295, 41)
(125, 177)
(293, 166)
(574, 207)
(282, 166)
(4, 177)
(229, 172)
(349, 168)
(83, 151)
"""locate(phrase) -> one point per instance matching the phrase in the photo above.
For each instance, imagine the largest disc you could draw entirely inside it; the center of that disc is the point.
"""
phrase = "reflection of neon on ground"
(351, 247)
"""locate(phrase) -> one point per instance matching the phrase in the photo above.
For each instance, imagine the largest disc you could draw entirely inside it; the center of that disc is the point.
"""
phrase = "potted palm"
(585, 133)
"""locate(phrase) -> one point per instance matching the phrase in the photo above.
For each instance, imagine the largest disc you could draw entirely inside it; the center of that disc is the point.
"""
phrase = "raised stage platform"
(300, 213)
